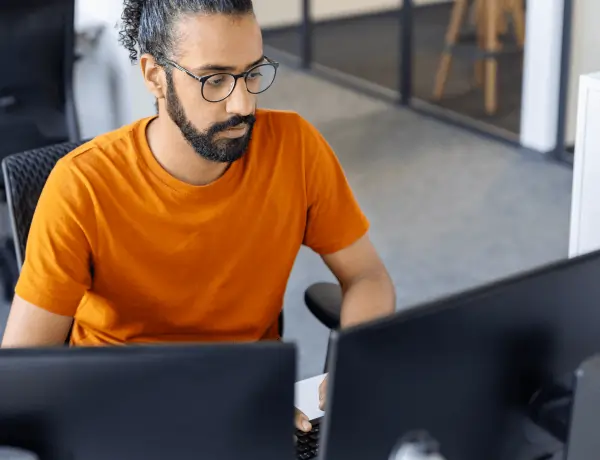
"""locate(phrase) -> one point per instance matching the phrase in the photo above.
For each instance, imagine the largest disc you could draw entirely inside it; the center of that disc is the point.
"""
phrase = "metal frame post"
(563, 92)
(306, 30)
(405, 71)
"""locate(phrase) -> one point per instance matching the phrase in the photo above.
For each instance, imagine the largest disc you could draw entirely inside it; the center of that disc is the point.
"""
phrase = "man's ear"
(154, 76)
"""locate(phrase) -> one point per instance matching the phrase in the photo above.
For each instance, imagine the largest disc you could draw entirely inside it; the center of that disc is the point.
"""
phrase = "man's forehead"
(219, 41)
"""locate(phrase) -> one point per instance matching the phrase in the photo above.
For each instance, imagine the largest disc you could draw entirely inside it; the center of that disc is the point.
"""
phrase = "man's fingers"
(302, 422)
(322, 394)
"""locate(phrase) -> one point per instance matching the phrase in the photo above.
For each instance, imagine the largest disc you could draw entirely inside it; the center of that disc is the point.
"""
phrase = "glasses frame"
(236, 77)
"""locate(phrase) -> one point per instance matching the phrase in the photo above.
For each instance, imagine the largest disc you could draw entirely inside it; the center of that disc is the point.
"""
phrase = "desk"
(307, 396)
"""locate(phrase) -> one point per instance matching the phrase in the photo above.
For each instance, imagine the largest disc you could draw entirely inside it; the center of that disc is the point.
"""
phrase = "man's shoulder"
(282, 120)
(275, 115)
(101, 151)
(286, 129)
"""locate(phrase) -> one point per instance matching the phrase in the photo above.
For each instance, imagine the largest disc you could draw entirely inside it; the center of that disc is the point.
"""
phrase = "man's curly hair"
(148, 24)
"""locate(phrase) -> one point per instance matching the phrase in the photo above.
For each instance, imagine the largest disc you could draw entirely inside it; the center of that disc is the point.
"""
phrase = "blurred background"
(455, 121)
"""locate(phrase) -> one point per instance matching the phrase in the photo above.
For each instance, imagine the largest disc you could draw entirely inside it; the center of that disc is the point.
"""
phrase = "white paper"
(307, 396)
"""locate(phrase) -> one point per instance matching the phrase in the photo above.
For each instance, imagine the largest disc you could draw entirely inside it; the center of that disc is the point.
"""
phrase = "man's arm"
(368, 292)
(336, 228)
(56, 271)
(31, 326)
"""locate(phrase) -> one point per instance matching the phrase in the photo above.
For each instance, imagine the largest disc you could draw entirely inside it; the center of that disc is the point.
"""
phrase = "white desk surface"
(307, 396)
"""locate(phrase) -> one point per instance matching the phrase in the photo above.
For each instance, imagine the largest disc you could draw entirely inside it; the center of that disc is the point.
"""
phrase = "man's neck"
(177, 157)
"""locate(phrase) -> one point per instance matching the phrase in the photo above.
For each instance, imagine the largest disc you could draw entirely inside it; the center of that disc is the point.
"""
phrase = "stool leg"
(456, 20)
(491, 63)
(474, 13)
(518, 15)
(502, 22)
(480, 28)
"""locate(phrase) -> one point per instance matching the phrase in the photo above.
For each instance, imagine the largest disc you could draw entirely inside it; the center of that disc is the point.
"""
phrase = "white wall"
(585, 208)
(541, 74)
(109, 90)
(585, 55)
(542, 58)
(277, 13)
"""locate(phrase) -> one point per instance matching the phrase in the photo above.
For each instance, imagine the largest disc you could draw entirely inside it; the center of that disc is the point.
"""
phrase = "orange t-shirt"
(136, 255)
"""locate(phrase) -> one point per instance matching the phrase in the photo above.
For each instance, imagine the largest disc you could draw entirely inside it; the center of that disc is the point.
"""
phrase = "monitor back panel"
(463, 368)
(224, 401)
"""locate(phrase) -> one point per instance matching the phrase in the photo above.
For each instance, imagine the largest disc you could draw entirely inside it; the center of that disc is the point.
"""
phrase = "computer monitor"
(468, 369)
(224, 402)
(584, 435)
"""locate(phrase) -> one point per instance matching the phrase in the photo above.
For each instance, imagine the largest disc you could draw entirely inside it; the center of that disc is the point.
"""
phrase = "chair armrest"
(324, 300)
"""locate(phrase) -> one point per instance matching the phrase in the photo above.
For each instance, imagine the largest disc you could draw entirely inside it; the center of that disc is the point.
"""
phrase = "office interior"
(453, 203)
(368, 46)
(362, 44)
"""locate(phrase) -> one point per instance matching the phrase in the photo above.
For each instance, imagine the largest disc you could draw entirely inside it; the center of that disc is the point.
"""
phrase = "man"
(184, 227)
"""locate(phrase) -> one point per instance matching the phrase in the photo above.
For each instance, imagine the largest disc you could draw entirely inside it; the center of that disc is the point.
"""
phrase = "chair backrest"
(37, 40)
(24, 177)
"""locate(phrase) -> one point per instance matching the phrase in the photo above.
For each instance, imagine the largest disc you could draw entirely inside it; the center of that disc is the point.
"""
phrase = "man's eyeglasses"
(219, 86)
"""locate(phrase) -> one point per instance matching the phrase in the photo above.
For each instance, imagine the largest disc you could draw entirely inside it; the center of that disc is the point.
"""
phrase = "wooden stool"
(490, 17)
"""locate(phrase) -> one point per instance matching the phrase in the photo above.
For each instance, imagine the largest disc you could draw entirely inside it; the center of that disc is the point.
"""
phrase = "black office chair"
(37, 107)
(24, 177)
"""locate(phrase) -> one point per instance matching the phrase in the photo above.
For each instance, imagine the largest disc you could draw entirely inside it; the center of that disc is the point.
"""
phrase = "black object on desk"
(468, 370)
(225, 402)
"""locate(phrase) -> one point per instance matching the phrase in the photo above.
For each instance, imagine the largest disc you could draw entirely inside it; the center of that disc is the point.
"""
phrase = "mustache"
(232, 123)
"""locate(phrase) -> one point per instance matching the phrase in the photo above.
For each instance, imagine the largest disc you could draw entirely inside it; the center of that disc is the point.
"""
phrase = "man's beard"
(204, 143)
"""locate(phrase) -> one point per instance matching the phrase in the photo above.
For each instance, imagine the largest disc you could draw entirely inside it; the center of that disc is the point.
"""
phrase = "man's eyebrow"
(224, 68)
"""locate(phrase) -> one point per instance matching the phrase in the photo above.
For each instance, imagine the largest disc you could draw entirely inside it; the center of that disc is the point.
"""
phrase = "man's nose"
(241, 102)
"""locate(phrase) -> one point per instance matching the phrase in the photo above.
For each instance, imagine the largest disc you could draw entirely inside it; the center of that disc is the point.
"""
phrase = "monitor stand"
(550, 408)
(584, 441)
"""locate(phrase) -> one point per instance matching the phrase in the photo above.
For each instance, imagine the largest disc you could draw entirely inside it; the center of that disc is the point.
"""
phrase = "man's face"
(218, 131)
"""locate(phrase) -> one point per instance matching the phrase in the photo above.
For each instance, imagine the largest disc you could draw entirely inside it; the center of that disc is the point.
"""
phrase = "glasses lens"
(218, 87)
(260, 78)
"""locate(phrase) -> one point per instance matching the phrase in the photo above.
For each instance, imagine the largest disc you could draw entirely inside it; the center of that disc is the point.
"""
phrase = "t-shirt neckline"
(148, 158)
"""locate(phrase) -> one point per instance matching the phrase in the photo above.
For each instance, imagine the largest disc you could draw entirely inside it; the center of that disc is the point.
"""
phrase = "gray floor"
(449, 210)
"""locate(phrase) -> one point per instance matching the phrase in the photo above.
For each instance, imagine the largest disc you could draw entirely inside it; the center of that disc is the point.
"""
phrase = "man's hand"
(302, 422)
(322, 393)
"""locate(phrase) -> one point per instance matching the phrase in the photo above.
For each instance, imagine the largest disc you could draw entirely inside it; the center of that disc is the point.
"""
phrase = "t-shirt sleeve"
(334, 219)
(56, 271)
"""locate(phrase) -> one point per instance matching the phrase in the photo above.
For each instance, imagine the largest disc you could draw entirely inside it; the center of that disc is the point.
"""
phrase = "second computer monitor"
(463, 370)
(150, 402)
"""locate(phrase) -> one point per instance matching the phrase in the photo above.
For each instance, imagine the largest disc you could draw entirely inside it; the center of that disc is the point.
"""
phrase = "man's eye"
(256, 74)
(216, 81)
